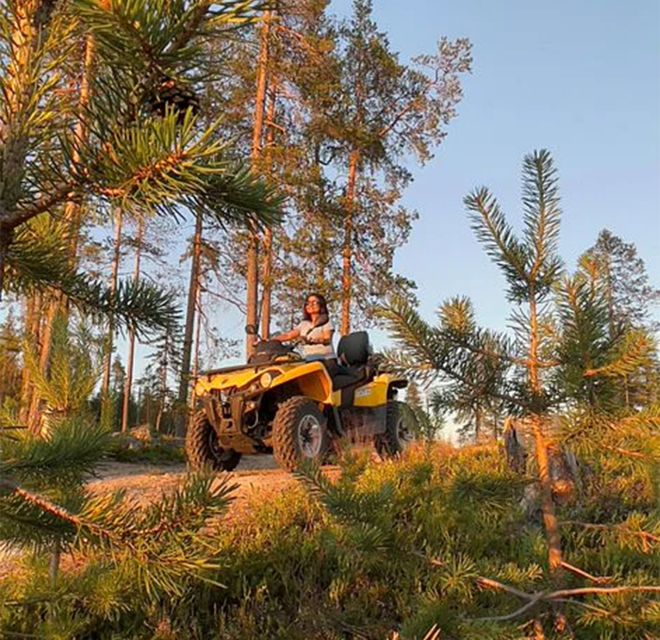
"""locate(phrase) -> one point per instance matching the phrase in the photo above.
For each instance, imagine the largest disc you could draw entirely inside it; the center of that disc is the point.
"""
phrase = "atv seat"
(352, 367)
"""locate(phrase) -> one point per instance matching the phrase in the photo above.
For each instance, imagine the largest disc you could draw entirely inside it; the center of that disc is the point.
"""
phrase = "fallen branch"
(628, 453)
(650, 537)
(561, 595)
(583, 574)
(77, 524)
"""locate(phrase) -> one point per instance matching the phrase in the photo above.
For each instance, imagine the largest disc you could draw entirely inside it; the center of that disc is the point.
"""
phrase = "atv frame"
(279, 403)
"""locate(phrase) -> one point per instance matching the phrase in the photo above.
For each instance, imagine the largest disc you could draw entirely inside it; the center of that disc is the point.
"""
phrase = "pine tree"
(382, 111)
(428, 419)
(616, 265)
(44, 505)
(128, 388)
(10, 364)
(147, 151)
(533, 371)
(130, 142)
(310, 132)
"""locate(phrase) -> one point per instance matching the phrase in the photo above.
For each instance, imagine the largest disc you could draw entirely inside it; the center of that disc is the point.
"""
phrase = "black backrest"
(354, 349)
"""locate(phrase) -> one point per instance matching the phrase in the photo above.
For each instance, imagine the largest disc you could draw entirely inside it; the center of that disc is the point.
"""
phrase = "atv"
(281, 404)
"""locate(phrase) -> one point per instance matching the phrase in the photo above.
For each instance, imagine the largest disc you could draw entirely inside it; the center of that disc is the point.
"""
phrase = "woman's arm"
(324, 338)
(289, 335)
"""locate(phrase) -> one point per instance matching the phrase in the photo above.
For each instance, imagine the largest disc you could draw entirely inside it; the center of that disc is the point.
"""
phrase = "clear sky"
(579, 78)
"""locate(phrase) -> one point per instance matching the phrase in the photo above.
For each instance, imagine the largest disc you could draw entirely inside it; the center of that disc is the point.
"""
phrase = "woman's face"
(313, 305)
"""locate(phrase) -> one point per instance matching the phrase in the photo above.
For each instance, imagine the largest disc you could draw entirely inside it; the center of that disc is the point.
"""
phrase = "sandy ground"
(145, 482)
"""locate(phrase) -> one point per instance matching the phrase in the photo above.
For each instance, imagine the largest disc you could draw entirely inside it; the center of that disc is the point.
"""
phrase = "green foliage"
(73, 373)
(531, 264)
(579, 354)
(149, 551)
(160, 451)
(616, 267)
(34, 471)
(393, 547)
(131, 140)
(39, 260)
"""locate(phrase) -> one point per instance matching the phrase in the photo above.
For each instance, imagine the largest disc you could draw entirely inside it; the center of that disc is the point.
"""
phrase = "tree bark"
(5, 242)
(163, 384)
(198, 333)
(45, 344)
(72, 218)
(252, 276)
(266, 283)
(33, 329)
(347, 253)
(28, 29)
(193, 288)
(128, 383)
(551, 526)
(73, 209)
(107, 368)
(17, 91)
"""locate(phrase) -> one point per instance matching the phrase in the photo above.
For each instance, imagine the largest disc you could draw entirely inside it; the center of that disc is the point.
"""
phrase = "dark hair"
(323, 305)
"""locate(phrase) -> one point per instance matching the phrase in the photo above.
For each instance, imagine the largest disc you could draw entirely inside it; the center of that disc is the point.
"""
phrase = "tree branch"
(584, 574)
(561, 595)
(588, 525)
(57, 195)
(554, 596)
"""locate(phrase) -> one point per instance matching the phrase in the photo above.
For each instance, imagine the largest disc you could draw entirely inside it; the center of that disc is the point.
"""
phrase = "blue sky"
(581, 79)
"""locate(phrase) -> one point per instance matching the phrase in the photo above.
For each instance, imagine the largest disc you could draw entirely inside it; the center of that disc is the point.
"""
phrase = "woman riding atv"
(296, 410)
(315, 330)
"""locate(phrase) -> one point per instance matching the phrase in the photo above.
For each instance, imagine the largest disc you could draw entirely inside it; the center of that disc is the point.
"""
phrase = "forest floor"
(144, 482)
(256, 477)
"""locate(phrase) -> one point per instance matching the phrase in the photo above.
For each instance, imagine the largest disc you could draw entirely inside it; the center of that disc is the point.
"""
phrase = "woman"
(315, 330)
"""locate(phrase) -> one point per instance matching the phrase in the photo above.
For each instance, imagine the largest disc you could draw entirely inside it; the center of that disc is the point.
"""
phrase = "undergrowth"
(389, 550)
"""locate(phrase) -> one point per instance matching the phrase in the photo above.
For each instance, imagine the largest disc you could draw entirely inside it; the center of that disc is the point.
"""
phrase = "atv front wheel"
(300, 432)
(400, 424)
(203, 448)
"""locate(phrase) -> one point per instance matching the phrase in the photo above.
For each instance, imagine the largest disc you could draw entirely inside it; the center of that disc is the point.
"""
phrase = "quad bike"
(279, 403)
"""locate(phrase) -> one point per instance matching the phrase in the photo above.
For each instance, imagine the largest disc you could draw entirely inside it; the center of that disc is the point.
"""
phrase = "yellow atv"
(279, 403)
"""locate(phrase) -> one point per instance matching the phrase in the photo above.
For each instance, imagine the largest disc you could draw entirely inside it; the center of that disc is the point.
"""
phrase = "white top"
(307, 329)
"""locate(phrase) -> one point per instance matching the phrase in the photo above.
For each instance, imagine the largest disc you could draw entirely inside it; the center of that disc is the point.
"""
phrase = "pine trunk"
(72, 218)
(198, 333)
(73, 209)
(347, 253)
(107, 366)
(31, 333)
(193, 288)
(477, 426)
(541, 445)
(252, 276)
(266, 282)
(17, 91)
(45, 334)
(128, 383)
(163, 384)
(5, 242)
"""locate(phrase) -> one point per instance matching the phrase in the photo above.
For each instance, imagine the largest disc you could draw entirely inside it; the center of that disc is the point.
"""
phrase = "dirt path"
(146, 482)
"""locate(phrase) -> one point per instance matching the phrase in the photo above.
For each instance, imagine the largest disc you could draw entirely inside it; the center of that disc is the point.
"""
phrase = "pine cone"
(170, 94)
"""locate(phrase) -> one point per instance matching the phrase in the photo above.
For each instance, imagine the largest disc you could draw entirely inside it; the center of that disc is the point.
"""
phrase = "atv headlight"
(266, 379)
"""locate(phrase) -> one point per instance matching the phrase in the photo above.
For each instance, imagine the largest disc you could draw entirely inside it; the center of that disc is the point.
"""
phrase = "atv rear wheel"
(300, 432)
(400, 423)
(203, 448)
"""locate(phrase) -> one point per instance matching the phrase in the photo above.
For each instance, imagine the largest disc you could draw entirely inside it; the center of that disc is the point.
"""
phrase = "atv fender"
(312, 380)
(377, 392)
